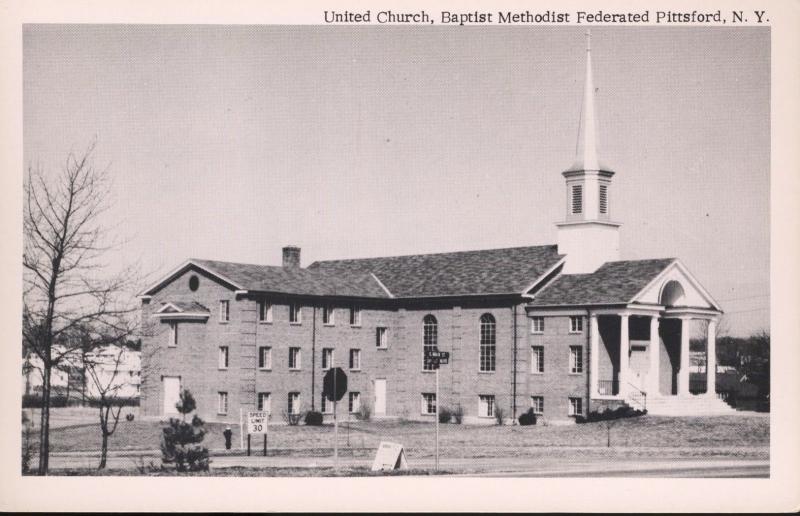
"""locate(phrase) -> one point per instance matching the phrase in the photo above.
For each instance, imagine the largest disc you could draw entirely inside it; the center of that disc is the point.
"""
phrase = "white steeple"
(587, 236)
(586, 148)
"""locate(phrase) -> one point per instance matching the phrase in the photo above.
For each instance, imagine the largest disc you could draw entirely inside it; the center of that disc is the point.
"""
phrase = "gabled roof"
(283, 280)
(613, 283)
(487, 272)
(182, 306)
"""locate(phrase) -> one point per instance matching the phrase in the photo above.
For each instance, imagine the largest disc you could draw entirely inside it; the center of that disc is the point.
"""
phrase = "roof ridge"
(433, 254)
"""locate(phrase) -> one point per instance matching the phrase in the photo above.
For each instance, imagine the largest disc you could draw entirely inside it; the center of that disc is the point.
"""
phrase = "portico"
(642, 351)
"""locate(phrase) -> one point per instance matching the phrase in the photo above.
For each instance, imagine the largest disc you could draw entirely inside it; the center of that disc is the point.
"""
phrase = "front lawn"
(695, 433)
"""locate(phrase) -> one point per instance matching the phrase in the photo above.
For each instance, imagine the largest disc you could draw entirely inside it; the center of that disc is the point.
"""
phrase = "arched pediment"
(676, 286)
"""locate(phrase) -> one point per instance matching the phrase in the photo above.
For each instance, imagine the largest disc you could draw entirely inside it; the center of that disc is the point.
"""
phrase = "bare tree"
(66, 282)
(103, 370)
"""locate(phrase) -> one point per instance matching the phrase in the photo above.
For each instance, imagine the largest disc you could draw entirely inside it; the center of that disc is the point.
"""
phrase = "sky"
(229, 142)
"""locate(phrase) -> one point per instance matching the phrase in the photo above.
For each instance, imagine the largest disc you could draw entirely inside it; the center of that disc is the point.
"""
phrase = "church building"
(563, 329)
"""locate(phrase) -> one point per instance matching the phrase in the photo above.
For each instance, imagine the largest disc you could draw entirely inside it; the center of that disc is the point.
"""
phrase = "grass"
(254, 472)
(698, 435)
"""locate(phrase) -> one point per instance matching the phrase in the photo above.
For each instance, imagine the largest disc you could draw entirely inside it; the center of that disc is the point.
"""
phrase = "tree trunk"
(103, 451)
(44, 433)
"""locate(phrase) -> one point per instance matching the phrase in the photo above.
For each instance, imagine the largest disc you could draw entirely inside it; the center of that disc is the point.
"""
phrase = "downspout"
(313, 353)
(514, 369)
(589, 360)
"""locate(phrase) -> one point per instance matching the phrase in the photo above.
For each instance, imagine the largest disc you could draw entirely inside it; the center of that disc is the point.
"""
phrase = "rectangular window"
(353, 402)
(537, 325)
(328, 316)
(294, 358)
(428, 403)
(326, 407)
(575, 407)
(537, 404)
(327, 358)
(575, 324)
(486, 405)
(264, 402)
(577, 198)
(537, 359)
(575, 359)
(381, 338)
(222, 406)
(603, 199)
(355, 359)
(295, 313)
(265, 357)
(264, 311)
(173, 334)
(355, 316)
(293, 403)
(223, 357)
(224, 311)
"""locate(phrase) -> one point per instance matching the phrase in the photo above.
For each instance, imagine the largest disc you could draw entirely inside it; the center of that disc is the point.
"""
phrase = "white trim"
(676, 263)
(381, 285)
(181, 268)
(543, 276)
(179, 314)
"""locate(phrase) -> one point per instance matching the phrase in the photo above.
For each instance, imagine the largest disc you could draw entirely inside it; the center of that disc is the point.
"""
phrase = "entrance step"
(688, 406)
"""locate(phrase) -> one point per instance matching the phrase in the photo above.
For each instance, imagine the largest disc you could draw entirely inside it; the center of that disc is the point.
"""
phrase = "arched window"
(488, 342)
(429, 338)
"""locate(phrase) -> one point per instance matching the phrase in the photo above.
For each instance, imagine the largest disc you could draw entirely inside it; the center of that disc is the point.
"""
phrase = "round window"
(194, 282)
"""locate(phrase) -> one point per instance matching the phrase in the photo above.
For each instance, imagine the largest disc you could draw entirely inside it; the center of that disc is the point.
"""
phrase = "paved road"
(721, 467)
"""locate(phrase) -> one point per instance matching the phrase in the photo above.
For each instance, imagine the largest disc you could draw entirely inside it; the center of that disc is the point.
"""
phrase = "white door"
(172, 393)
(380, 397)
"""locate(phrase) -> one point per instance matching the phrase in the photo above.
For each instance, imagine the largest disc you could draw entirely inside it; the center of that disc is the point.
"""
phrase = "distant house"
(115, 370)
(60, 380)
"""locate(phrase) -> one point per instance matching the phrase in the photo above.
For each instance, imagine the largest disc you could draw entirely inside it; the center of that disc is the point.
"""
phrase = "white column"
(594, 351)
(655, 357)
(683, 372)
(711, 359)
(624, 357)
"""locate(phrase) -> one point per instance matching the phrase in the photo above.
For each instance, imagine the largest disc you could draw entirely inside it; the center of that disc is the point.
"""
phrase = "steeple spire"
(586, 148)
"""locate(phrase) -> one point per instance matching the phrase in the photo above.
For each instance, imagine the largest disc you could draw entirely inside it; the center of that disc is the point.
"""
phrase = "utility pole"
(437, 417)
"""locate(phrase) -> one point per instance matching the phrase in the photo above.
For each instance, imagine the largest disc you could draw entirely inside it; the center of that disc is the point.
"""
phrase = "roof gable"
(616, 282)
(694, 295)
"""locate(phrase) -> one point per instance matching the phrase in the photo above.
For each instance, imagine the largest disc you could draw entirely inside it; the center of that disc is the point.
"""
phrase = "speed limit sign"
(257, 422)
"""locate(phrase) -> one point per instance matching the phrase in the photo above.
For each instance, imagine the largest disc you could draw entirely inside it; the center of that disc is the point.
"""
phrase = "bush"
(364, 412)
(458, 414)
(313, 418)
(292, 419)
(499, 415)
(528, 418)
(621, 412)
(180, 445)
(445, 414)
(35, 400)
(180, 441)
(129, 416)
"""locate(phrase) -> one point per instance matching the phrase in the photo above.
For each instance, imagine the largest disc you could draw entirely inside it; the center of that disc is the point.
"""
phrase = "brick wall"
(195, 359)
(556, 384)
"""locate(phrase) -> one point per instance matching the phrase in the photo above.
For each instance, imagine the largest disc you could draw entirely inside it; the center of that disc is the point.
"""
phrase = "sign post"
(257, 423)
(437, 418)
(433, 359)
(334, 385)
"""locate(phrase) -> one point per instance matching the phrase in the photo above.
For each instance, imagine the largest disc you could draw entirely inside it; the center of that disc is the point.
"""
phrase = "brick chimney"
(291, 257)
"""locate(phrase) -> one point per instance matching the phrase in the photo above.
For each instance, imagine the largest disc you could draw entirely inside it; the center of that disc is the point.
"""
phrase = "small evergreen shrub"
(499, 415)
(364, 412)
(180, 441)
(528, 418)
(129, 416)
(445, 415)
(313, 418)
(292, 419)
